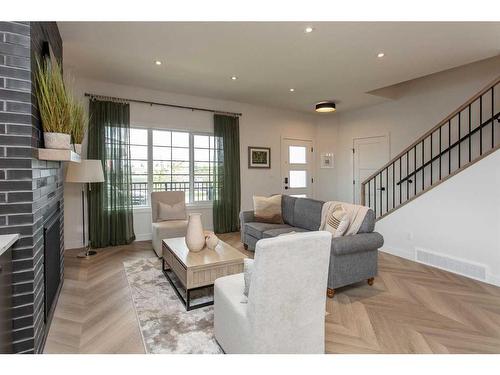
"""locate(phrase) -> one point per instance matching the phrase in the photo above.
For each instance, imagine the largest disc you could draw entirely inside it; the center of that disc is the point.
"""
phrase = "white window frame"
(150, 162)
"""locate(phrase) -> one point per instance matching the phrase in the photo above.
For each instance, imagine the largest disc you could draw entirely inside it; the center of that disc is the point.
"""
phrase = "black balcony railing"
(462, 138)
(202, 191)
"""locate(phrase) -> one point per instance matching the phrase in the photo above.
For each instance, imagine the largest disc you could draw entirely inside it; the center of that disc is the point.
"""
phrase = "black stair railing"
(462, 138)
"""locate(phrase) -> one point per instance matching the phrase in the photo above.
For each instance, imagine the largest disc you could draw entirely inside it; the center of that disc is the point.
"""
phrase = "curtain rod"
(112, 98)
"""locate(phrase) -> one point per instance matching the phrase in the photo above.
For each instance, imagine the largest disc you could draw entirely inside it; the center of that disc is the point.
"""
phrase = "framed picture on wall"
(327, 160)
(259, 157)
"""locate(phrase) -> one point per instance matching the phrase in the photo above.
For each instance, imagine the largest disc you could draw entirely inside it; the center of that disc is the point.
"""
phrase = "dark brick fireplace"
(31, 190)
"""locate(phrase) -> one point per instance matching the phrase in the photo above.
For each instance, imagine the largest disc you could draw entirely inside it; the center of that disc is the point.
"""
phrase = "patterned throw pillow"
(337, 221)
(267, 209)
(247, 274)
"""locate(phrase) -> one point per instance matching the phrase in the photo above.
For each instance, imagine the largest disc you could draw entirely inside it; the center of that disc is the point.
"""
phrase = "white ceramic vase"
(59, 141)
(78, 148)
(195, 238)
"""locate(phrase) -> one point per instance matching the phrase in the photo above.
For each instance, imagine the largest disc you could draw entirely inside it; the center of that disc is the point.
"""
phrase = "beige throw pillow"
(176, 211)
(337, 221)
(267, 209)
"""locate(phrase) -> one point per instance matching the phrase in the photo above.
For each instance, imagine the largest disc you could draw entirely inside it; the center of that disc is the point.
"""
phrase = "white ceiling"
(337, 61)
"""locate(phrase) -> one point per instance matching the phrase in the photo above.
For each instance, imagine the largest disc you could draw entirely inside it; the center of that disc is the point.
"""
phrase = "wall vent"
(460, 266)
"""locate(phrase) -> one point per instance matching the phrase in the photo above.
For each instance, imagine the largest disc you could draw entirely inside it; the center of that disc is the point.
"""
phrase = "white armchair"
(169, 228)
(285, 312)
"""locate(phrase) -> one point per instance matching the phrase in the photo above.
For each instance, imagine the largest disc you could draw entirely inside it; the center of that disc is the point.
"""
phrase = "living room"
(238, 188)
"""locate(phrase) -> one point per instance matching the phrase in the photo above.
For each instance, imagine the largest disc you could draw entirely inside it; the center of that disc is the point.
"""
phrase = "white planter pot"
(195, 238)
(78, 148)
(59, 141)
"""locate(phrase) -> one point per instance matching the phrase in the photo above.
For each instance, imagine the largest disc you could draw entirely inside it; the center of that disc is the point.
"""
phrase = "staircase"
(461, 139)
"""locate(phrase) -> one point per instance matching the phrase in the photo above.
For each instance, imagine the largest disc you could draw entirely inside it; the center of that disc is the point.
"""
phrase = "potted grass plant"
(54, 105)
(78, 125)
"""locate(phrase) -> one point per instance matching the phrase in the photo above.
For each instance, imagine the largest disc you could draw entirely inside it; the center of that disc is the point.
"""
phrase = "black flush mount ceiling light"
(325, 107)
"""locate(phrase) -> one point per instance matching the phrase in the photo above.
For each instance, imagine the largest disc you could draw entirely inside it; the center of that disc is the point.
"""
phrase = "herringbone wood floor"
(411, 308)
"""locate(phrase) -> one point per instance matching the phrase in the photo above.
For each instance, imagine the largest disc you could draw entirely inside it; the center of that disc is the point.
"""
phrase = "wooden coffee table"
(188, 272)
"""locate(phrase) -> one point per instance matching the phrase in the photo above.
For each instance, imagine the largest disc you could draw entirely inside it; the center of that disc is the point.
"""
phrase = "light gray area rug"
(166, 326)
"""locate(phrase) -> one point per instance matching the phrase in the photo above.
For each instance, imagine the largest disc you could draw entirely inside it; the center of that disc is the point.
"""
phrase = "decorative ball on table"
(211, 240)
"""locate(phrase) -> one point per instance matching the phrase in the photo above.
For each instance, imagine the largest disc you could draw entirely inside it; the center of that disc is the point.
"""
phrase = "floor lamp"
(87, 171)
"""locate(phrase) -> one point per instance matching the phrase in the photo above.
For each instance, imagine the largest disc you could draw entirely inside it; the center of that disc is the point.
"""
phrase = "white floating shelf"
(58, 155)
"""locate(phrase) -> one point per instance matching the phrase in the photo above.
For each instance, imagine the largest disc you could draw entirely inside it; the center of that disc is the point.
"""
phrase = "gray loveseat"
(352, 258)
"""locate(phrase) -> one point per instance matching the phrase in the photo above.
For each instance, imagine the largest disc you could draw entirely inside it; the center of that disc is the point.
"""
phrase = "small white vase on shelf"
(59, 141)
(195, 238)
(78, 148)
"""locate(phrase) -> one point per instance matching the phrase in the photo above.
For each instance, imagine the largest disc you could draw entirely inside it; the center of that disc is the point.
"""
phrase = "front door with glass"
(296, 167)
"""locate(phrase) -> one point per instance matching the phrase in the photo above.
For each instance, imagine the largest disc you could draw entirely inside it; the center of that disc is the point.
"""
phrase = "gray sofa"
(352, 258)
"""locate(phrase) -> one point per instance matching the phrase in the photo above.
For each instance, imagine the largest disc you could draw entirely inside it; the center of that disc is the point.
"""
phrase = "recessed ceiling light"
(234, 78)
(381, 54)
(325, 107)
(158, 62)
(292, 90)
(309, 29)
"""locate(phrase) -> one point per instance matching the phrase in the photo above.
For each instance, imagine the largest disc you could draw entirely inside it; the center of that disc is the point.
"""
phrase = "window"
(139, 166)
(171, 162)
(167, 160)
(203, 167)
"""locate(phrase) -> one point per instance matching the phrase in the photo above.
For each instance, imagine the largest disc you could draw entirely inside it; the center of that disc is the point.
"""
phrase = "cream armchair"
(169, 228)
(285, 312)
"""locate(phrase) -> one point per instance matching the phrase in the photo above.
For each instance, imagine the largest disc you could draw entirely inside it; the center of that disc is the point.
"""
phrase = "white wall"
(259, 126)
(460, 218)
(421, 104)
(327, 132)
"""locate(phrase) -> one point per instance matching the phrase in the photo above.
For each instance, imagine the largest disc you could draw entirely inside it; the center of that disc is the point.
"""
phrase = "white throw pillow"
(338, 221)
(171, 212)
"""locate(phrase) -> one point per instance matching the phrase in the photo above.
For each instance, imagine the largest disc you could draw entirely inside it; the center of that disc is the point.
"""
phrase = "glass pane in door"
(298, 179)
(297, 155)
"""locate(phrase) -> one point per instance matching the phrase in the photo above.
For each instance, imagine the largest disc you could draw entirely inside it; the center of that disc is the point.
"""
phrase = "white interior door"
(296, 167)
(369, 154)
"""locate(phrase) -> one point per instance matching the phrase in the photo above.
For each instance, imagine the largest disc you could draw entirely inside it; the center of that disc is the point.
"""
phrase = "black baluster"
(440, 151)
(423, 167)
(492, 119)
(449, 146)
(400, 159)
(381, 200)
(407, 175)
(431, 158)
(393, 187)
(480, 123)
(375, 194)
(387, 189)
(459, 141)
(415, 170)
(470, 129)
(369, 200)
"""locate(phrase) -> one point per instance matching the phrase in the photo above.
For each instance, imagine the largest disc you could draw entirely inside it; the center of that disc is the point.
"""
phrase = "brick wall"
(31, 190)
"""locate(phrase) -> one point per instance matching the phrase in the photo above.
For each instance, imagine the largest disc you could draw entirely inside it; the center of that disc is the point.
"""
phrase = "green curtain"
(226, 204)
(110, 203)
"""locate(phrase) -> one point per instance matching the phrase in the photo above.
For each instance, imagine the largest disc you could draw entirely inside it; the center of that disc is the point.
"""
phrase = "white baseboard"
(72, 245)
(68, 245)
(410, 255)
(493, 279)
(402, 253)
(143, 236)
